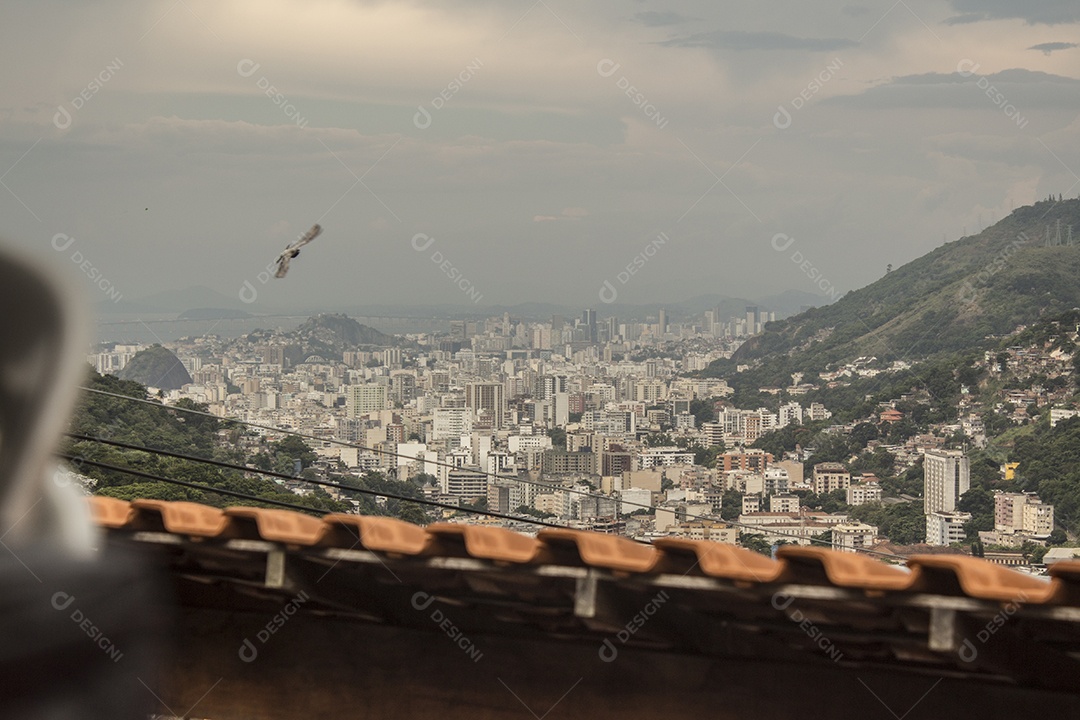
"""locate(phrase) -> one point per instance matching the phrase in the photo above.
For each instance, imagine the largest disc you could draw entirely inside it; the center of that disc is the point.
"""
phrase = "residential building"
(861, 493)
(945, 528)
(947, 477)
(830, 476)
(851, 537)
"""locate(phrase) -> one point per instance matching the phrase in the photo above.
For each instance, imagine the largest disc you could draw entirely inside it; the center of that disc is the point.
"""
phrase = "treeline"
(165, 428)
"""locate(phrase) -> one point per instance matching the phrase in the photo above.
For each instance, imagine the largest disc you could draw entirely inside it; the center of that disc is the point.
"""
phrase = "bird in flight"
(294, 249)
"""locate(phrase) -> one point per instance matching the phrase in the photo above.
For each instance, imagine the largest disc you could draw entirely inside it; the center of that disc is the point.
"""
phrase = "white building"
(946, 478)
(850, 537)
(862, 493)
(946, 528)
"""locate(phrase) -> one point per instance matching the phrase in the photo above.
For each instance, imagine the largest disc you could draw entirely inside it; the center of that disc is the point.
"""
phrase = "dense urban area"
(644, 429)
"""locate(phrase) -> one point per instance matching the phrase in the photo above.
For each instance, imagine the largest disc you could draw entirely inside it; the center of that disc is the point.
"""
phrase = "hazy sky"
(535, 148)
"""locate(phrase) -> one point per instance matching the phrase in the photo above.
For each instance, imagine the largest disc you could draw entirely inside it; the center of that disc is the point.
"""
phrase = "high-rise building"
(588, 322)
(946, 476)
(361, 399)
(751, 319)
(662, 324)
(488, 401)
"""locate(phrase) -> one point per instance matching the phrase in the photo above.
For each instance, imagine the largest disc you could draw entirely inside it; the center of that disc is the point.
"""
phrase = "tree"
(730, 504)
(558, 438)
(757, 543)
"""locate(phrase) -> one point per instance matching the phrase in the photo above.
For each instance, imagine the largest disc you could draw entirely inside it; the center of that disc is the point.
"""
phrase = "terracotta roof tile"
(183, 518)
(380, 534)
(976, 578)
(844, 569)
(604, 551)
(493, 543)
(941, 574)
(282, 526)
(725, 561)
(110, 512)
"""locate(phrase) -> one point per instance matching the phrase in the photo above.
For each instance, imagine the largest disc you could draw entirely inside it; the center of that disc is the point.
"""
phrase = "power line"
(437, 463)
(220, 491)
(323, 483)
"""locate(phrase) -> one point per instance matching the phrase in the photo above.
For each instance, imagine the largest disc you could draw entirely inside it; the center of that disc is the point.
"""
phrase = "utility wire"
(323, 483)
(549, 486)
(78, 460)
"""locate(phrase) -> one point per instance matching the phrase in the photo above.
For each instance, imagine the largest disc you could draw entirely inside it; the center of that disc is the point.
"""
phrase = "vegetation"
(163, 428)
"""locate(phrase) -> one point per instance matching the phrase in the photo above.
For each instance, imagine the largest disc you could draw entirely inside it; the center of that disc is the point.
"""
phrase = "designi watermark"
(422, 601)
(62, 243)
(62, 119)
(608, 651)
(608, 292)
(968, 651)
(248, 650)
(968, 292)
(421, 242)
(967, 68)
(608, 67)
(422, 118)
(782, 242)
(62, 601)
(246, 68)
(782, 118)
(782, 602)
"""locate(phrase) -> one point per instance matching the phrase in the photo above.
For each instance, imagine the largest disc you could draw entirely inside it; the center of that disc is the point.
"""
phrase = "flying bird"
(294, 249)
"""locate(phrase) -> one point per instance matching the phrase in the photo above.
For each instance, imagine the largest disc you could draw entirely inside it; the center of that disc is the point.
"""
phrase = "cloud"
(1045, 12)
(653, 18)
(1050, 47)
(544, 218)
(742, 40)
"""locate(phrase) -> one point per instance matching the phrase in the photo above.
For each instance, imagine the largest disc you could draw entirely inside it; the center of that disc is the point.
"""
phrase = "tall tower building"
(947, 477)
(588, 321)
(751, 319)
(488, 401)
(662, 324)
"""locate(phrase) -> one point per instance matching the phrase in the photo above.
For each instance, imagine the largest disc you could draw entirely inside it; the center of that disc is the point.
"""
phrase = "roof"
(574, 591)
(948, 575)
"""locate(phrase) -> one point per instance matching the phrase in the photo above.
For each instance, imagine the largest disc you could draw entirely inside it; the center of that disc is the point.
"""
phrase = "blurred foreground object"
(79, 625)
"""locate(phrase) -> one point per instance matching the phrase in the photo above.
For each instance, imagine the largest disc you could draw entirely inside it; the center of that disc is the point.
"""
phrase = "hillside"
(156, 367)
(948, 300)
(329, 335)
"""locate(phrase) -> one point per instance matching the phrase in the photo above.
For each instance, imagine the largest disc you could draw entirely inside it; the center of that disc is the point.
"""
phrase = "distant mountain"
(329, 335)
(156, 367)
(950, 299)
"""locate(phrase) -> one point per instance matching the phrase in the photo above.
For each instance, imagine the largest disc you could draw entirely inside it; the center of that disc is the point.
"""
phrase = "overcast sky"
(535, 148)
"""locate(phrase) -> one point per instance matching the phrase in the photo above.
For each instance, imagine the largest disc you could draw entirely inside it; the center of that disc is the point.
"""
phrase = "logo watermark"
(61, 243)
(608, 652)
(782, 118)
(608, 292)
(968, 651)
(783, 602)
(422, 118)
(607, 67)
(62, 601)
(248, 650)
(422, 601)
(968, 291)
(63, 118)
(967, 68)
(246, 68)
(422, 242)
(782, 242)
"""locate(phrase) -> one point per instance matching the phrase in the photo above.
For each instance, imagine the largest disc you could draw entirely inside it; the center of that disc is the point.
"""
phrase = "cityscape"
(610, 426)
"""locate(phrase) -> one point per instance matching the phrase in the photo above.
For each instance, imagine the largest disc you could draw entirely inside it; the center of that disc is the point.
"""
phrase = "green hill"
(949, 300)
(156, 367)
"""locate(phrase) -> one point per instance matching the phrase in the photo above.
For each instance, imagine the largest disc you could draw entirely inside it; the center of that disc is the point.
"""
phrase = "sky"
(494, 153)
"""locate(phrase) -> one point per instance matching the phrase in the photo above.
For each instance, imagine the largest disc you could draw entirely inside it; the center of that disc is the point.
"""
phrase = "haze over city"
(534, 151)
